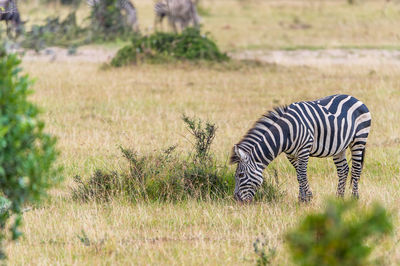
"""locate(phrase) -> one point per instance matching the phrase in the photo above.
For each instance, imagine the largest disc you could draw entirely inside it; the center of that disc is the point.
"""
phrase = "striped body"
(127, 6)
(181, 12)
(321, 128)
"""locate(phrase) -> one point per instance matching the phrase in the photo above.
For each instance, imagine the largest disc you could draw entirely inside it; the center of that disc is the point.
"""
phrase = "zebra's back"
(334, 122)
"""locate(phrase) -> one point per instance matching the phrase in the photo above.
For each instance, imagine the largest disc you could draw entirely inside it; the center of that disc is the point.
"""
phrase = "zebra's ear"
(238, 155)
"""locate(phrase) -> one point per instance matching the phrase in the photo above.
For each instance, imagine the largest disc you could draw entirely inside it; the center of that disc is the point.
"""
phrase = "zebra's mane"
(274, 115)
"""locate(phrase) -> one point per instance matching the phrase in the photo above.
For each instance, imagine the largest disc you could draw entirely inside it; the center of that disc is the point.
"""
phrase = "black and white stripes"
(181, 12)
(321, 128)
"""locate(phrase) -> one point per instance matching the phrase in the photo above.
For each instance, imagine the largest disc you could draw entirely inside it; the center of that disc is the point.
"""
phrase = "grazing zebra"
(321, 128)
(182, 12)
(9, 13)
(127, 6)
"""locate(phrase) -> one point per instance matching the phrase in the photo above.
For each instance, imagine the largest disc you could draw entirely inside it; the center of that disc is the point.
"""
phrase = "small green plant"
(83, 237)
(203, 135)
(263, 257)
(338, 235)
(27, 153)
(163, 47)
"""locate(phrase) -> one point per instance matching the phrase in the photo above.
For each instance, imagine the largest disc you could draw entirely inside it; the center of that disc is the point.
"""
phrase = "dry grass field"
(93, 111)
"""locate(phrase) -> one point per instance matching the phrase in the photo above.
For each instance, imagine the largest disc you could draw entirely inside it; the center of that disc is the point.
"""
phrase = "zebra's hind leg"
(300, 164)
(357, 156)
(342, 170)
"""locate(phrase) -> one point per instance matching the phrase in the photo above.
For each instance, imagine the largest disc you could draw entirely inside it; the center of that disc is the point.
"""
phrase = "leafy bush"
(167, 175)
(338, 235)
(27, 154)
(163, 175)
(161, 47)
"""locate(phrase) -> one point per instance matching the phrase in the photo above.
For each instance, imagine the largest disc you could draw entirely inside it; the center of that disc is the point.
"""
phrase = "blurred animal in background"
(125, 6)
(10, 14)
(182, 12)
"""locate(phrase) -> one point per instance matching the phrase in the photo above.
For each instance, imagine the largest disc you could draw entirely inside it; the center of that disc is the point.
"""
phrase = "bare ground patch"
(374, 57)
(323, 57)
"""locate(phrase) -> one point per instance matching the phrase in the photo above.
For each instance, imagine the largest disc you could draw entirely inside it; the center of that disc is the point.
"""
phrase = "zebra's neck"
(268, 138)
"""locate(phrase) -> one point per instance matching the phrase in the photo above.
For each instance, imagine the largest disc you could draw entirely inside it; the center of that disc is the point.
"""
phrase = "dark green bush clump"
(167, 175)
(27, 154)
(338, 235)
(161, 47)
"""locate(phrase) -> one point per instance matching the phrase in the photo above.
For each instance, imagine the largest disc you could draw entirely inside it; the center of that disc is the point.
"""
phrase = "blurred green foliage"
(338, 235)
(27, 153)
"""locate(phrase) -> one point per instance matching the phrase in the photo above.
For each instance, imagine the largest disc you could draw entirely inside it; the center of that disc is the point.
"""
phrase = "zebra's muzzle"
(242, 201)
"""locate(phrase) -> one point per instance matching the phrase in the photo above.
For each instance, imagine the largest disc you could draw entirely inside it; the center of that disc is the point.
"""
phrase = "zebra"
(320, 128)
(182, 12)
(9, 13)
(127, 6)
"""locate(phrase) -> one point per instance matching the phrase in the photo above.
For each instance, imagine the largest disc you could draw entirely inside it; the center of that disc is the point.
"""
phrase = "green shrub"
(162, 47)
(27, 154)
(338, 235)
(164, 175)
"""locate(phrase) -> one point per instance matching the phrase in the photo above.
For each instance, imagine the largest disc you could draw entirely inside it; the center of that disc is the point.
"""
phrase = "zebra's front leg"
(300, 164)
(342, 169)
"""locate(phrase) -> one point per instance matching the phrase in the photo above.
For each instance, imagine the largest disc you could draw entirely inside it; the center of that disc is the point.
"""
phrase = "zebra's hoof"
(340, 195)
(306, 198)
(355, 196)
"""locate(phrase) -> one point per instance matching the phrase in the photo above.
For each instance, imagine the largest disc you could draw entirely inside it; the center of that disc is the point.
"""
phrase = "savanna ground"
(93, 111)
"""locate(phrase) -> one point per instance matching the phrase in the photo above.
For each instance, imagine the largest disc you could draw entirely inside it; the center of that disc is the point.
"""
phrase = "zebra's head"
(161, 9)
(248, 176)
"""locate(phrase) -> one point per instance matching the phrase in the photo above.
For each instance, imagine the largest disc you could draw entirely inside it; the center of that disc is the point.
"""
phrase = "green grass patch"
(338, 235)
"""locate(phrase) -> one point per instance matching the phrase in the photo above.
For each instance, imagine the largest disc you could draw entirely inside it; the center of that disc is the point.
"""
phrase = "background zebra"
(9, 13)
(125, 5)
(182, 12)
(321, 128)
